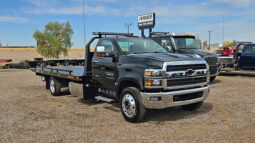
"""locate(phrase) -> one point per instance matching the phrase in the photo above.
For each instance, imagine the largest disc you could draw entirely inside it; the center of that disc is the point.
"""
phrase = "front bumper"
(167, 98)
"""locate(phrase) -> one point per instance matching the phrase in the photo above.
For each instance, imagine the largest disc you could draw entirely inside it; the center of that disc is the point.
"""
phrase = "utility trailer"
(243, 59)
(136, 72)
(5, 60)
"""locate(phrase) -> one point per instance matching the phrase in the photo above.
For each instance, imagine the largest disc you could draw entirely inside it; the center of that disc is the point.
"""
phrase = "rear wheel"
(132, 108)
(192, 107)
(55, 86)
(212, 78)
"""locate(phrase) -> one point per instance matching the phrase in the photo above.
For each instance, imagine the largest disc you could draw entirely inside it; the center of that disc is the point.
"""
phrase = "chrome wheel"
(52, 86)
(129, 105)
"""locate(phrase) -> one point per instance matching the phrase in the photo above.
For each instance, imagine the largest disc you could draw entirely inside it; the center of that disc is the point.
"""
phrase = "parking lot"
(28, 113)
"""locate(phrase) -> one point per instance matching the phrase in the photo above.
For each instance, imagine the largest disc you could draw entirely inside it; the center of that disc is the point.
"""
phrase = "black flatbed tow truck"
(137, 72)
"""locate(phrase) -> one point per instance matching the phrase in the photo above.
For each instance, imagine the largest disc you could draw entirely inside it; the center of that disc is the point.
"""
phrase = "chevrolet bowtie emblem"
(190, 72)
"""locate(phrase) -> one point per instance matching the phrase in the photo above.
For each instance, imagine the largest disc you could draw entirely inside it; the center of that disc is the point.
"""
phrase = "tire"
(192, 107)
(55, 86)
(132, 108)
(212, 78)
(47, 82)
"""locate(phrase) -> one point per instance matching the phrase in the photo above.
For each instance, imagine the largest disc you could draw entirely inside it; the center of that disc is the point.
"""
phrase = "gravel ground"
(28, 113)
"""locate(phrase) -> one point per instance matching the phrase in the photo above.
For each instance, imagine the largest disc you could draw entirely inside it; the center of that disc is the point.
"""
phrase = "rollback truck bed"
(136, 72)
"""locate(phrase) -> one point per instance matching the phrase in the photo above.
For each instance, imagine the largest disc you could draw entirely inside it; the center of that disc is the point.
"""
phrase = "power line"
(230, 26)
(251, 13)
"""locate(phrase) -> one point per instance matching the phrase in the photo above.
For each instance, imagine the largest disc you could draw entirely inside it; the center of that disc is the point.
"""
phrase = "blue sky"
(20, 18)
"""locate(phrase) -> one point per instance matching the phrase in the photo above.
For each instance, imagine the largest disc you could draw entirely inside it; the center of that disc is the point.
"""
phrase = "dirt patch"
(28, 113)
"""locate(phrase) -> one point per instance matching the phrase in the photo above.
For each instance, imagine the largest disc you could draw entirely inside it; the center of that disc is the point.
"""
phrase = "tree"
(199, 42)
(234, 43)
(54, 40)
(205, 44)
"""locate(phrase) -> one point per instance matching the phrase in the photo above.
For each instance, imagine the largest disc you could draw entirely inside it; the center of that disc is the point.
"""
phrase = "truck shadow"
(173, 114)
(90, 102)
(168, 114)
(238, 74)
(215, 81)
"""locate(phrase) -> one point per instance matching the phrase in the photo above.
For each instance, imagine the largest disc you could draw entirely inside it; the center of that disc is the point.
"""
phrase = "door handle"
(95, 61)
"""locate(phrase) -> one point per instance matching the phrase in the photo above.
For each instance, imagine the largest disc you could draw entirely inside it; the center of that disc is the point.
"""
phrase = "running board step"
(104, 99)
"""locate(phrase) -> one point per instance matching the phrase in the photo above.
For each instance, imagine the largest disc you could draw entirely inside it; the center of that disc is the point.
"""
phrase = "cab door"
(105, 66)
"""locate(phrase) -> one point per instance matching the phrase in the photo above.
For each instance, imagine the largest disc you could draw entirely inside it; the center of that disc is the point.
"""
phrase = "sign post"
(146, 21)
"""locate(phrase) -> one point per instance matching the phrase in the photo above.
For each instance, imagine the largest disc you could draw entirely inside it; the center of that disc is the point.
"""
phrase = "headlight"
(154, 82)
(153, 78)
(153, 73)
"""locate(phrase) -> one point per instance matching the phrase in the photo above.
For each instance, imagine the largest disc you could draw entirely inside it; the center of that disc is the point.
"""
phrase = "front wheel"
(192, 107)
(132, 108)
(212, 78)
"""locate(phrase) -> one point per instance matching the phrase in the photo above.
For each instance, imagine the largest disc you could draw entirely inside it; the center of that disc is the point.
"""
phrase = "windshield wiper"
(157, 52)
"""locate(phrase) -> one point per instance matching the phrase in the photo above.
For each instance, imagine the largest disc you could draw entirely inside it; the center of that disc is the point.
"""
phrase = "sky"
(20, 18)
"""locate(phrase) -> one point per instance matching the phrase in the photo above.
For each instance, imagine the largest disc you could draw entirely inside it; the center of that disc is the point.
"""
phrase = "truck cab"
(247, 57)
(187, 44)
(228, 51)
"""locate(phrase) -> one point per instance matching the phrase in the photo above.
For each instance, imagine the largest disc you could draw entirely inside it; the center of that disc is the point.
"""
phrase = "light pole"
(128, 24)
(209, 31)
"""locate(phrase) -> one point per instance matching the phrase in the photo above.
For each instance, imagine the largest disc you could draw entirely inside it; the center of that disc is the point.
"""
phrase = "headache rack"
(243, 42)
(160, 33)
(113, 34)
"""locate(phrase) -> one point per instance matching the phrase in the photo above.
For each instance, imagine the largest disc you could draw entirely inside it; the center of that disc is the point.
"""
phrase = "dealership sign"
(146, 21)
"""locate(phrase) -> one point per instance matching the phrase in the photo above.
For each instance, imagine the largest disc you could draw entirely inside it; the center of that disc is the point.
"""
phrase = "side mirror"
(100, 51)
(169, 48)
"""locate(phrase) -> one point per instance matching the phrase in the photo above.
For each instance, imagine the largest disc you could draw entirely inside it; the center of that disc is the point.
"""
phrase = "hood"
(156, 60)
(200, 52)
(170, 57)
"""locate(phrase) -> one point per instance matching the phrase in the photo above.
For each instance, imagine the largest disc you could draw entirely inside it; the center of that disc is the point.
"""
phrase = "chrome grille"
(185, 67)
(186, 81)
(185, 74)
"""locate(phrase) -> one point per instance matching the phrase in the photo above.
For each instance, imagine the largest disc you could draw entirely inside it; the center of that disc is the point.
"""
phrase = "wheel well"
(126, 83)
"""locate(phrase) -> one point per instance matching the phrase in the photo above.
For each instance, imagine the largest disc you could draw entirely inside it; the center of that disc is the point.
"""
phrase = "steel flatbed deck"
(72, 73)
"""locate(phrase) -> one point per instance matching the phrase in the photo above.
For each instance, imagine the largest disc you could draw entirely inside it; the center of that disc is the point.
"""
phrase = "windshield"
(186, 43)
(139, 46)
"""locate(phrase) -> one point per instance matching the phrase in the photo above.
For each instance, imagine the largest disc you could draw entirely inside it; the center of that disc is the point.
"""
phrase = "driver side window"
(109, 47)
(250, 49)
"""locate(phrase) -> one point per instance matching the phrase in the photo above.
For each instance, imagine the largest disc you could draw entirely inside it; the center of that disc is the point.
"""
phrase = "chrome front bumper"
(167, 98)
